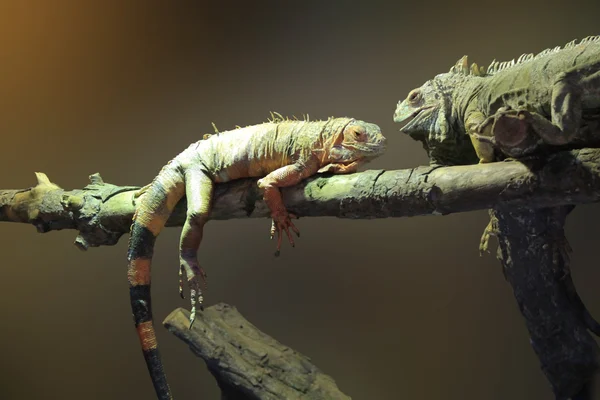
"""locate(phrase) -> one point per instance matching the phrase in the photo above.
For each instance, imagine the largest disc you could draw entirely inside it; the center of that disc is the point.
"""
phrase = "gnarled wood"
(247, 363)
(534, 253)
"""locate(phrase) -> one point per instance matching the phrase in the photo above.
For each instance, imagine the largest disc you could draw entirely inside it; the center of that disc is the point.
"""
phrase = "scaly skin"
(515, 106)
(281, 152)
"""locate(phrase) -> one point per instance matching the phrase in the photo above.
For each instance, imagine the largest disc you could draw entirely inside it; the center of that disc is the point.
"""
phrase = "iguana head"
(427, 109)
(356, 141)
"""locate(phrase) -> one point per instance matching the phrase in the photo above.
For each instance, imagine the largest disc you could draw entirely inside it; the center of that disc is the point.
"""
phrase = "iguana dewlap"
(281, 152)
(514, 106)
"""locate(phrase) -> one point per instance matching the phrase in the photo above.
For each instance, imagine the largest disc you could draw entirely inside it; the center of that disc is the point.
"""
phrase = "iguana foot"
(282, 221)
(490, 230)
(194, 273)
(511, 128)
(339, 168)
(491, 119)
(202, 274)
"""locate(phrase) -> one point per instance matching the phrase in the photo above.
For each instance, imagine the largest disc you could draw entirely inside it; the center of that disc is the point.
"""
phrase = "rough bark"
(534, 253)
(247, 363)
(102, 212)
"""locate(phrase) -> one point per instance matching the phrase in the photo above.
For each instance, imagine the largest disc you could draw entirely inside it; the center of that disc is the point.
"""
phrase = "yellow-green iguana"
(281, 152)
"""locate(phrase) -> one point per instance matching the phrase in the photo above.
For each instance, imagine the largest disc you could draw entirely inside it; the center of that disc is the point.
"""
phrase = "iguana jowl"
(515, 106)
(282, 152)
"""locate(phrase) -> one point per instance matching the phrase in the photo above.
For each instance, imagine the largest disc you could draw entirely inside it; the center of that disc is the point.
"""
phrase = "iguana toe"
(194, 274)
(489, 121)
(282, 221)
(483, 138)
(196, 298)
(202, 275)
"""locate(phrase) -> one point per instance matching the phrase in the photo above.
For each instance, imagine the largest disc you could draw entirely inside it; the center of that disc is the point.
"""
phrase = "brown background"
(397, 308)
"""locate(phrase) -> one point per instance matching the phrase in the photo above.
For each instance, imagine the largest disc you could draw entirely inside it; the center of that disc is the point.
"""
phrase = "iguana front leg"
(476, 127)
(289, 175)
(337, 168)
(198, 190)
(511, 131)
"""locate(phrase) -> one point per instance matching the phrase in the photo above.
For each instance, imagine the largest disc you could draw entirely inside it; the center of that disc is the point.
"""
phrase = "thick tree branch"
(534, 253)
(102, 212)
(247, 363)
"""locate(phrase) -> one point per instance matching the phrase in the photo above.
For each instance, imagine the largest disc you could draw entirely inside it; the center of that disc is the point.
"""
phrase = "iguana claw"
(280, 222)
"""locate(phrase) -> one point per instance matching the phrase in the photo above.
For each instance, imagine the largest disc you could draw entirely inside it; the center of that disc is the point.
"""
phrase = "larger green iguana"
(548, 99)
(515, 106)
(282, 152)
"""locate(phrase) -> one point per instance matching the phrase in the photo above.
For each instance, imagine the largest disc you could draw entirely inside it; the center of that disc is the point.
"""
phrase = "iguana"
(515, 106)
(281, 152)
(548, 99)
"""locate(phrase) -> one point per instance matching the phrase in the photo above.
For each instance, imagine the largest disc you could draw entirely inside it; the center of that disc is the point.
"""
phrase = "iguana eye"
(414, 96)
(358, 133)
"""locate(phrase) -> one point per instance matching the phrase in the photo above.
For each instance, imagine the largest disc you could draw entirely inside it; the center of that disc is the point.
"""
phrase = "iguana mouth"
(414, 118)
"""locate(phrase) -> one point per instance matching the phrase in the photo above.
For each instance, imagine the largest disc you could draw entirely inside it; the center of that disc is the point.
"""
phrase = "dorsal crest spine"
(462, 65)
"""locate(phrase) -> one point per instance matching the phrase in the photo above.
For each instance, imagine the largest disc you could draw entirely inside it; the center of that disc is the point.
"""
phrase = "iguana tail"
(155, 206)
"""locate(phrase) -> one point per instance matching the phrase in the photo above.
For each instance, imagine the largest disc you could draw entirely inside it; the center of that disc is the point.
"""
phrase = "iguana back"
(529, 81)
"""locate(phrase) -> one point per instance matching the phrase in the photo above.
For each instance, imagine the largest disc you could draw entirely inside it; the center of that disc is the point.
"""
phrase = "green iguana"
(548, 99)
(282, 152)
(514, 106)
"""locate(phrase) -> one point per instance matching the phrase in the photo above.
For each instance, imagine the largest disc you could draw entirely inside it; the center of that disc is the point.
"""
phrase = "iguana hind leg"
(198, 190)
(573, 91)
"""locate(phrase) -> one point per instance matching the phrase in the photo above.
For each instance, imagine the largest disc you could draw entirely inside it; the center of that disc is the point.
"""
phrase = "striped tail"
(155, 207)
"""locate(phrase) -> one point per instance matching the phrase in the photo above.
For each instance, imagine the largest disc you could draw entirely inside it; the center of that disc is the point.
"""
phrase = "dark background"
(391, 309)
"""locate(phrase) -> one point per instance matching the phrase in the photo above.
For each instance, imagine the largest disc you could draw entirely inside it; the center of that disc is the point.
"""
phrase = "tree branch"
(247, 363)
(102, 212)
(534, 253)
